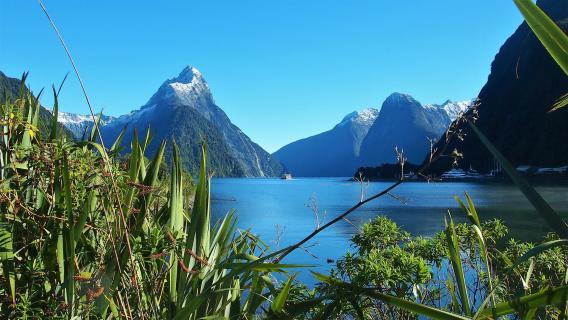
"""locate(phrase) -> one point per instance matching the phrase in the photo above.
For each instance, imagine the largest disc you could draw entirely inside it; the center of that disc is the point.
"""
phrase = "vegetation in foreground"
(85, 233)
(468, 270)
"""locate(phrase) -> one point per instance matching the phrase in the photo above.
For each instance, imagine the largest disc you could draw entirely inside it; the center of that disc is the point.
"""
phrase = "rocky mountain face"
(331, 153)
(513, 105)
(183, 108)
(368, 137)
(406, 124)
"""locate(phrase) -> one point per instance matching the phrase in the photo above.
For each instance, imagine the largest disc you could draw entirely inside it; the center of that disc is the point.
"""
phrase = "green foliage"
(393, 275)
(384, 259)
(86, 233)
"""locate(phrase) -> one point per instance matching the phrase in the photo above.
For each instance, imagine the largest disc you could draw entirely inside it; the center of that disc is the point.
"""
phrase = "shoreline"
(533, 180)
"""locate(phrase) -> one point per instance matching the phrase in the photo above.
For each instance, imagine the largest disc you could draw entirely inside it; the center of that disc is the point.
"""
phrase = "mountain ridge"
(330, 153)
(190, 90)
(404, 123)
(185, 102)
(341, 150)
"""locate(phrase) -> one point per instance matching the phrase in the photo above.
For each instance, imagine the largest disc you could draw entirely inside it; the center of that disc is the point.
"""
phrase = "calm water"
(273, 206)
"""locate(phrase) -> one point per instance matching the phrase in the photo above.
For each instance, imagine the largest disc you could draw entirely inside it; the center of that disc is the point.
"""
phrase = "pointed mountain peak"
(397, 102)
(400, 98)
(189, 74)
(456, 108)
(188, 88)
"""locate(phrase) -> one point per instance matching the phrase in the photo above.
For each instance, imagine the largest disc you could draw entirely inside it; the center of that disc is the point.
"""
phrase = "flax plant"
(87, 235)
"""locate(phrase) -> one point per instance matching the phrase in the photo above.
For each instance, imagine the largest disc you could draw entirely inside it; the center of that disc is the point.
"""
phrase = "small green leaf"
(455, 258)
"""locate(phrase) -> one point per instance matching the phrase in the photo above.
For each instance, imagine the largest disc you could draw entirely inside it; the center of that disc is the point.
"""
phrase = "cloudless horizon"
(281, 71)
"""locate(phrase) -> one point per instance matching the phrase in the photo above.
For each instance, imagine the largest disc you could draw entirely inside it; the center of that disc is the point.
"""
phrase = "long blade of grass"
(197, 230)
(26, 137)
(560, 103)
(411, 306)
(95, 129)
(54, 115)
(555, 222)
(471, 213)
(88, 207)
(7, 258)
(69, 237)
(538, 300)
(116, 145)
(280, 300)
(150, 181)
(551, 36)
(455, 258)
(175, 225)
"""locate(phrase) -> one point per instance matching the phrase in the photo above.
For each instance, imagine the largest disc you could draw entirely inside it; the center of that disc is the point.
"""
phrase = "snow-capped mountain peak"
(187, 88)
(364, 117)
(455, 108)
(188, 74)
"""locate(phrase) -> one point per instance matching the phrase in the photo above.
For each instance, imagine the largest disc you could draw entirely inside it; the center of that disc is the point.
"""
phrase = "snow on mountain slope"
(365, 117)
(78, 123)
(452, 108)
(188, 95)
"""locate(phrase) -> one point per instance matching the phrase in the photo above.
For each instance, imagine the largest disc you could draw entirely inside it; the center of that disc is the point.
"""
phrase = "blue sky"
(281, 70)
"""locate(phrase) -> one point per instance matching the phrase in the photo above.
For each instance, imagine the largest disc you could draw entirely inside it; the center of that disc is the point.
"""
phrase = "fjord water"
(282, 211)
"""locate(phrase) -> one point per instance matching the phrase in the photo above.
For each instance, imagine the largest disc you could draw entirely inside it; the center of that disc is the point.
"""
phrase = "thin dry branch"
(448, 137)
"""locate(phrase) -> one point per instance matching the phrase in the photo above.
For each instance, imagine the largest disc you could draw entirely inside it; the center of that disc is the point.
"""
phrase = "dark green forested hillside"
(189, 130)
(11, 87)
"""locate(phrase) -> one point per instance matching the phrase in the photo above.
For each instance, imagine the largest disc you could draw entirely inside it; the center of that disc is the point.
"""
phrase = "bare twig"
(449, 135)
